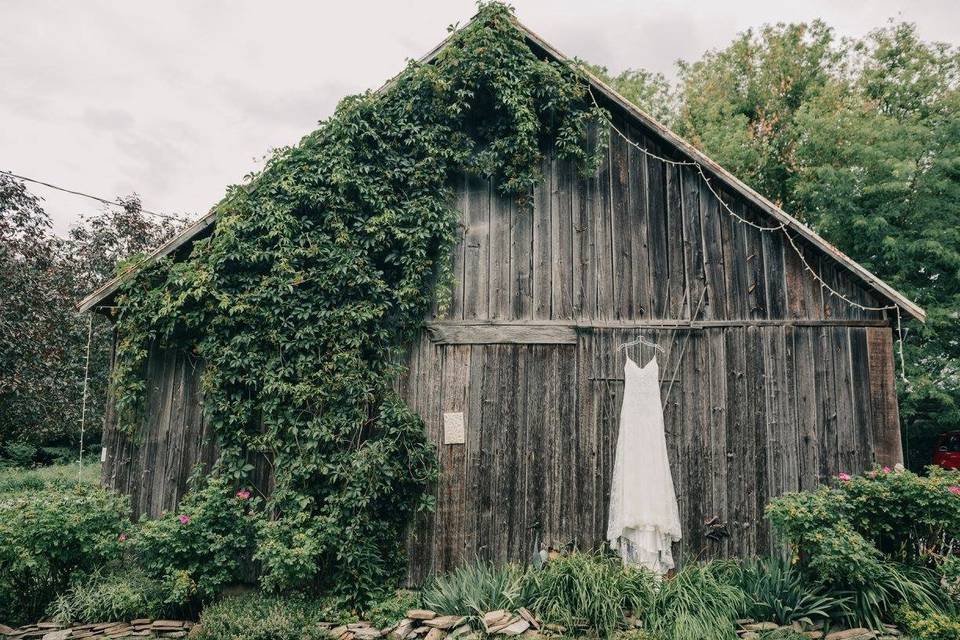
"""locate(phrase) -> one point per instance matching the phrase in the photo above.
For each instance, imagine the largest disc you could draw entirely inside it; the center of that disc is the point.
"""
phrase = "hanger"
(643, 341)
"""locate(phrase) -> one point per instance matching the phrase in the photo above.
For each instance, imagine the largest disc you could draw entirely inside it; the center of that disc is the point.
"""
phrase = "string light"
(783, 226)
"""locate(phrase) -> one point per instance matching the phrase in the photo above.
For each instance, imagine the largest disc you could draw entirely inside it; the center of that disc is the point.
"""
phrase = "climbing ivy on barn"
(321, 268)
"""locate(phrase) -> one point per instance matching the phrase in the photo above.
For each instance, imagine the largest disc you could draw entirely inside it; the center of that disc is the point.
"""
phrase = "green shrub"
(203, 547)
(18, 454)
(930, 625)
(112, 596)
(19, 480)
(258, 616)
(698, 603)
(778, 592)
(874, 537)
(392, 609)
(49, 535)
(588, 590)
(950, 577)
(474, 589)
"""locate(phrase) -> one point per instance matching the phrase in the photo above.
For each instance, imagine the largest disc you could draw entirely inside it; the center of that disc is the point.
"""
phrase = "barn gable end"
(770, 383)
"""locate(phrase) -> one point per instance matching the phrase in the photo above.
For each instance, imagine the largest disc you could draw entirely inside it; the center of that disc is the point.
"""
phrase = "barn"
(776, 355)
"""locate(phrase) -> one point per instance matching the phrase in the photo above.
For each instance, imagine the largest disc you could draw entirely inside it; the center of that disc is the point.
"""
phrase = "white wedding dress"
(644, 517)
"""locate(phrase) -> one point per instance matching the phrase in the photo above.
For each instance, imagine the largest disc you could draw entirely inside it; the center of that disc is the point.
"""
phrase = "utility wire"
(87, 195)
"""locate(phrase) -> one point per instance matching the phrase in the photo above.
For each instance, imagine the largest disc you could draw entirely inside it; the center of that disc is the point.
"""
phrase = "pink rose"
(955, 490)
(887, 469)
(243, 494)
(123, 537)
(844, 477)
(183, 519)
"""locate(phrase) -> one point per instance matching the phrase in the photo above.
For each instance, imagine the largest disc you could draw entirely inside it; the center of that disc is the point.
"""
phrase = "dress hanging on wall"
(644, 517)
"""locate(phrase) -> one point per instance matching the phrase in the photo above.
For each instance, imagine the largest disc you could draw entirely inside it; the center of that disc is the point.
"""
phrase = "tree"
(861, 140)
(43, 340)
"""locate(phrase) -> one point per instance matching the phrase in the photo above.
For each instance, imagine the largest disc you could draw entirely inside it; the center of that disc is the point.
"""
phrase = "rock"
(743, 621)
(459, 631)
(859, 633)
(495, 618)
(890, 630)
(5, 630)
(336, 632)
(57, 635)
(749, 635)
(516, 627)
(421, 614)
(402, 630)
(555, 628)
(497, 628)
(140, 621)
(529, 617)
(445, 622)
(814, 635)
(761, 626)
(366, 633)
(422, 629)
(436, 633)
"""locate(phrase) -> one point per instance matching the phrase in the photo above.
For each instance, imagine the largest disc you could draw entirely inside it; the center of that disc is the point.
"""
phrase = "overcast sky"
(177, 99)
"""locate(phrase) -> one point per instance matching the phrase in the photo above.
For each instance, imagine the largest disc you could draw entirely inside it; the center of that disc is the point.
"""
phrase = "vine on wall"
(321, 268)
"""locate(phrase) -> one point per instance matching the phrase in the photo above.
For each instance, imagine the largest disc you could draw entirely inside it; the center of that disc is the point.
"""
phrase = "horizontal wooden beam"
(565, 332)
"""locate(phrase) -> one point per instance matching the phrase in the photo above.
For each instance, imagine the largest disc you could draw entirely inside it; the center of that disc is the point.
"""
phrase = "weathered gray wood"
(502, 334)
(476, 251)
(883, 397)
(500, 276)
(542, 246)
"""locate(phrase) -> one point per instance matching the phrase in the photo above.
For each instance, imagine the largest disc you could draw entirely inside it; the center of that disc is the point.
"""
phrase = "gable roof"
(99, 296)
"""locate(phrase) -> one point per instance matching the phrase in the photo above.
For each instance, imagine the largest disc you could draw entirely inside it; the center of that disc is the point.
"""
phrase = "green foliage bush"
(589, 590)
(698, 603)
(203, 547)
(101, 597)
(393, 608)
(474, 589)
(875, 537)
(258, 616)
(930, 625)
(49, 535)
(321, 268)
(776, 591)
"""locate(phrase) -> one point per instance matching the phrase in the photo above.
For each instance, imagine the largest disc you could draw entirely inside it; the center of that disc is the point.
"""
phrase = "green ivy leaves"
(322, 268)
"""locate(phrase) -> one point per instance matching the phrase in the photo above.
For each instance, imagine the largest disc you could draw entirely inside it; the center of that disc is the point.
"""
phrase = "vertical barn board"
(826, 404)
(788, 409)
(584, 254)
(863, 419)
(833, 307)
(473, 473)
(805, 341)
(775, 277)
(756, 268)
(476, 255)
(739, 440)
(455, 310)
(450, 529)
(513, 409)
(657, 232)
(624, 259)
(585, 501)
(500, 279)
(758, 492)
(712, 224)
(566, 459)
(639, 237)
(484, 497)
(717, 432)
(888, 449)
(521, 262)
(676, 245)
(695, 458)
(420, 531)
(178, 431)
(735, 264)
(603, 242)
(774, 444)
(693, 248)
(561, 228)
(542, 258)
(843, 383)
(674, 367)
(540, 405)
(430, 407)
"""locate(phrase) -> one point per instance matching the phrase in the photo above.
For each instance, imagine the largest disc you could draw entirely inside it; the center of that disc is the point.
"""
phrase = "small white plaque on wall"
(453, 428)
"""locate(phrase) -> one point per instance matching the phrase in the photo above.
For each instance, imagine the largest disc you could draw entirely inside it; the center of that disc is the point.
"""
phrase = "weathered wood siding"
(768, 384)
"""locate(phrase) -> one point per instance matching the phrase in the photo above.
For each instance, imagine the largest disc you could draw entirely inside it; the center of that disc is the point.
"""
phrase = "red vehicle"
(946, 453)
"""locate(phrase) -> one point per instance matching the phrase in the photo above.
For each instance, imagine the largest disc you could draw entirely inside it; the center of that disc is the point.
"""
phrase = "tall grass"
(695, 604)
(19, 480)
(589, 590)
(475, 589)
(779, 592)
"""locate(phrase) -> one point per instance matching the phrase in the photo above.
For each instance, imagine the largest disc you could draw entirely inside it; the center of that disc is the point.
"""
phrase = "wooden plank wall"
(744, 421)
